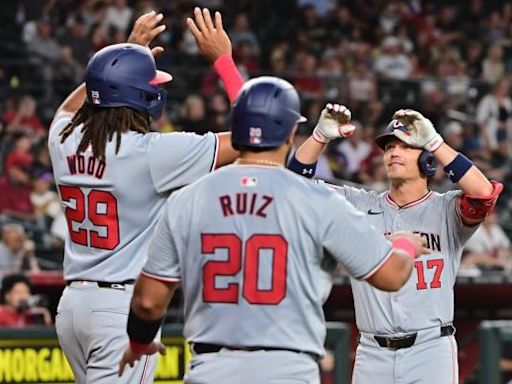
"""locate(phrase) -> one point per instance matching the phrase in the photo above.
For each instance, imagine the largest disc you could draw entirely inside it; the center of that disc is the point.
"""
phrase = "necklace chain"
(258, 161)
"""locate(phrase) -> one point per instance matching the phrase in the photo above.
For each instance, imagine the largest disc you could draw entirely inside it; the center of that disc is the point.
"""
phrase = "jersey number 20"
(100, 207)
(232, 266)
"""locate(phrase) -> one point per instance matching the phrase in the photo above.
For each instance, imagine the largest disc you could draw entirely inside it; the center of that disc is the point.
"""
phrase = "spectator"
(473, 59)
(390, 17)
(495, 31)
(306, 80)
(489, 247)
(278, 62)
(18, 307)
(16, 182)
(99, 37)
(42, 162)
(43, 46)
(493, 67)
(392, 63)
(218, 108)
(494, 117)
(352, 152)
(76, 40)
(118, 15)
(453, 135)
(24, 120)
(17, 253)
(45, 201)
(330, 72)
(193, 115)
(245, 57)
(241, 33)
(362, 85)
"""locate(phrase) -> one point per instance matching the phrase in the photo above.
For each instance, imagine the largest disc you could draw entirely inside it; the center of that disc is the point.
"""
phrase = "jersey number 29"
(100, 207)
(251, 262)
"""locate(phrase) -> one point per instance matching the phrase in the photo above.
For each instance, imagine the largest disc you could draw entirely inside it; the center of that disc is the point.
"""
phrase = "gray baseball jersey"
(426, 300)
(247, 244)
(111, 206)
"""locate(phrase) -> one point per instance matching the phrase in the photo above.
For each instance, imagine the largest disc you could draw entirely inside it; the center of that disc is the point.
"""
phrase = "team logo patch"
(398, 125)
(248, 181)
(255, 135)
(95, 96)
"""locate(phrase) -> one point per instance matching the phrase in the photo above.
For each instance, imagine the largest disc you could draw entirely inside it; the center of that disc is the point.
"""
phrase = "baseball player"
(113, 177)
(407, 336)
(246, 243)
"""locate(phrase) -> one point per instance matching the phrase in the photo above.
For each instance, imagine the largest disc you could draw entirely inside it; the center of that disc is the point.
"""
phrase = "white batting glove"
(333, 123)
(420, 130)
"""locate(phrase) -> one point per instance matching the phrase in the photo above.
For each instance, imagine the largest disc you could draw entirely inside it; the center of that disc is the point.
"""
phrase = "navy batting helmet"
(125, 75)
(427, 162)
(264, 113)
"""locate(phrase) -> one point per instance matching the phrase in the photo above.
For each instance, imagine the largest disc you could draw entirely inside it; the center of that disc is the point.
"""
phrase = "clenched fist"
(333, 123)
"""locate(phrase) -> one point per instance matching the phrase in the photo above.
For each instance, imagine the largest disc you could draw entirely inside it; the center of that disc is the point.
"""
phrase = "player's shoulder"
(186, 193)
(445, 196)
(350, 190)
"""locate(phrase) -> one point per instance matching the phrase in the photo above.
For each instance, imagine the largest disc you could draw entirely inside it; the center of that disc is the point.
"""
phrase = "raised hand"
(145, 29)
(333, 123)
(419, 132)
(211, 38)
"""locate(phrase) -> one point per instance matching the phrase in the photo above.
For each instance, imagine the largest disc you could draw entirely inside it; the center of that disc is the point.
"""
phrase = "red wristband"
(230, 76)
(405, 245)
(138, 347)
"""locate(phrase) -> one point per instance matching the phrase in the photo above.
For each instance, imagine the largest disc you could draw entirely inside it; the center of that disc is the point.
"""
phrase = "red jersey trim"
(216, 154)
(408, 205)
(372, 272)
(161, 278)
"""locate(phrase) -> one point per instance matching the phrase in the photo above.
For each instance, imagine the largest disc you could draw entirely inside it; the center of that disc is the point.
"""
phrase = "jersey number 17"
(437, 265)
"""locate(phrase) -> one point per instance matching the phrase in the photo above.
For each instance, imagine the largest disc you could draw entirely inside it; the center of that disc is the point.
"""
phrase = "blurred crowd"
(451, 60)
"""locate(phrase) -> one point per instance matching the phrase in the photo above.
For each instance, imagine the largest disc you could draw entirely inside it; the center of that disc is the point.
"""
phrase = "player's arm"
(144, 30)
(73, 102)
(334, 122)
(479, 194)
(394, 272)
(147, 310)
(214, 44)
(371, 257)
(152, 293)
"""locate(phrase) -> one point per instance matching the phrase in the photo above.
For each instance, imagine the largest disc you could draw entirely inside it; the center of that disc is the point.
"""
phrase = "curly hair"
(101, 124)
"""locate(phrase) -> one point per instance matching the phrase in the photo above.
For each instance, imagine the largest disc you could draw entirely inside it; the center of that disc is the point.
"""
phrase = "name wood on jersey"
(87, 166)
(433, 240)
(245, 203)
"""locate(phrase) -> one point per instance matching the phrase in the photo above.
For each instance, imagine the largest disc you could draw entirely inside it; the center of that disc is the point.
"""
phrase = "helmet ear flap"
(427, 163)
(156, 107)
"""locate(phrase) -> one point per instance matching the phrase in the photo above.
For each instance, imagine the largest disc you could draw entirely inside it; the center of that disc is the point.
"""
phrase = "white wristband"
(434, 143)
(319, 136)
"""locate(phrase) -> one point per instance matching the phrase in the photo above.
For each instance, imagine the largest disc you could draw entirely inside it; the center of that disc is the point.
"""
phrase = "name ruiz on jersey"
(86, 166)
(245, 204)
